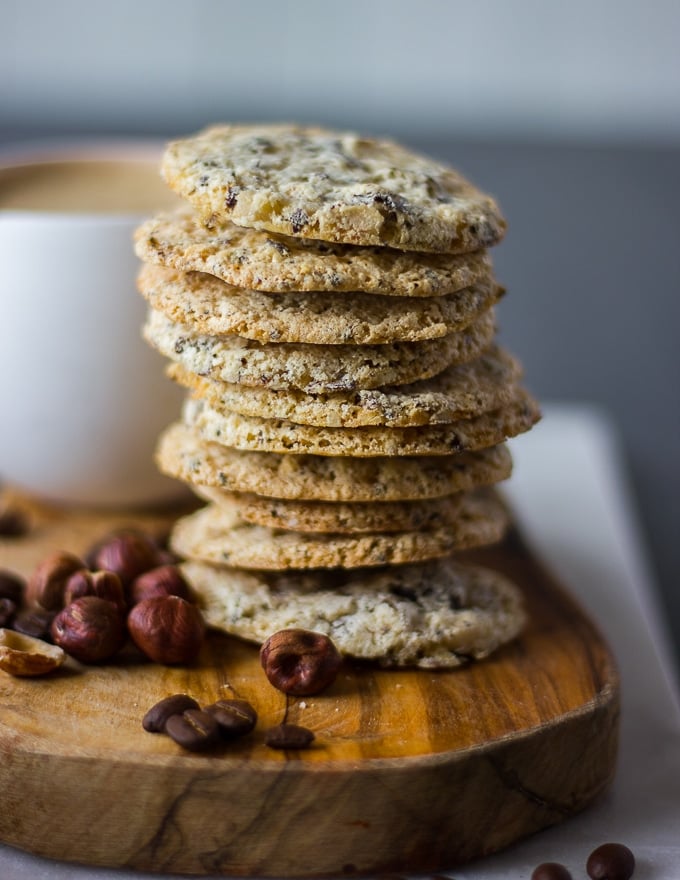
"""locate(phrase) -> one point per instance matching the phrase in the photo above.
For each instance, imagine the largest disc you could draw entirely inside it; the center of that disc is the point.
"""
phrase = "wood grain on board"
(411, 770)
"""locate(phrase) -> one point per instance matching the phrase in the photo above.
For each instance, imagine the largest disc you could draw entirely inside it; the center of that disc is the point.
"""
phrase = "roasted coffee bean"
(35, 623)
(550, 871)
(234, 717)
(611, 861)
(155, 719)
(194, 729)
(288, 736)
(11, 586)
(7, 611)
(13, 523)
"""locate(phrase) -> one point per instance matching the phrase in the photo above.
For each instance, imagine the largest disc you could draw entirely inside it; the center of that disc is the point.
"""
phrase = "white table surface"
(571, 496)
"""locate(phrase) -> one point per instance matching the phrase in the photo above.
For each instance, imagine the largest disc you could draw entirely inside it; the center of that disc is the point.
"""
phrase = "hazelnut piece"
(168, 629)
(105, 584)
(47, 583)
(25, 656)
(128, 552)
(89, 629)
(300, 662)
(11, 586)
(165, 580)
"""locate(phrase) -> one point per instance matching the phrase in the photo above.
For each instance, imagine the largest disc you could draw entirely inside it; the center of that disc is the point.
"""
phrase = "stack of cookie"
(328, 302)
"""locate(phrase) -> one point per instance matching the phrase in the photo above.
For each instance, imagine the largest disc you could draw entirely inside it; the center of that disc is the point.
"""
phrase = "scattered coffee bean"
(193, 730)
(288, 736)
(611, 861)
(550, 871)
(8, 609)
(234, 717)
(155, 719)
(34, 623)
(13, 523)
(11, 586)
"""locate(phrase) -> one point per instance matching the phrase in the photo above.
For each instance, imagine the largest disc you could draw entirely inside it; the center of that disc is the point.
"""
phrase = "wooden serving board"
(411, 770)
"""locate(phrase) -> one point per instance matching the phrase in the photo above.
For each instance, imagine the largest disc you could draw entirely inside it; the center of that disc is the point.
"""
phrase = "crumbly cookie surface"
(459, 392)
(436, 614)
(184, 455)
(307, 367)
(218, 535)
(255, 260)
(279, 435)
(345, 518)
(205, 305)
(313, 183)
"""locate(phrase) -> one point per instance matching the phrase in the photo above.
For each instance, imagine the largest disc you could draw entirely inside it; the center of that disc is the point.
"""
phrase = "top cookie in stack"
(329, 303)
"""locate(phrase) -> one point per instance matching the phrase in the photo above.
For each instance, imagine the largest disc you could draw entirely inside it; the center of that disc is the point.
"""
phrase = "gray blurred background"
(568, 113)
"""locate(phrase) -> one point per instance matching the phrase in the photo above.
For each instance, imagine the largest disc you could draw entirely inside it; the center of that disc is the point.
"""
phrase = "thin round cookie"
(181, 453)
(333, 186)
(205, 305)
(217, 535)
(309, 368)
(345, 518)
(278, 435)
(435, 614)
(461, 391)
(257, 260)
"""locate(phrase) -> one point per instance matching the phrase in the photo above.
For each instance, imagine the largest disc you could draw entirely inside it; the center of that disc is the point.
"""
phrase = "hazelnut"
(36, 623)
(25, 656)
(165, 580)
(12, 586)
(128, 552)
(8, 609)
(47, 583)
(89, 629)
(105, 584)
(300, 662)
(168, 629)
(13, 522)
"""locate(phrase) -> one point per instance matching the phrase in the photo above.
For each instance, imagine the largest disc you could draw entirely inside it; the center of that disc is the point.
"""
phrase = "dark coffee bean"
(234, 717)
(7, 611)
(288, 736)
(13, 523)
(193, 729)
(155, 719)
(611, 861)
(35, 623)
(550, 871)
(12, 586)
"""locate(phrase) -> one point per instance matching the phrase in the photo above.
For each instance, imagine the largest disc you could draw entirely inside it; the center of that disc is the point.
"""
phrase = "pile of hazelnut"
(126, 585)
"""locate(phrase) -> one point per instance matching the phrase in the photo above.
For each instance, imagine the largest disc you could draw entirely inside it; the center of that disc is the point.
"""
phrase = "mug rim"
(142, 151)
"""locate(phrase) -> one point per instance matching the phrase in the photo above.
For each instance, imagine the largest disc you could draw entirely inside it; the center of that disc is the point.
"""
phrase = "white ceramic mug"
(82, 397)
